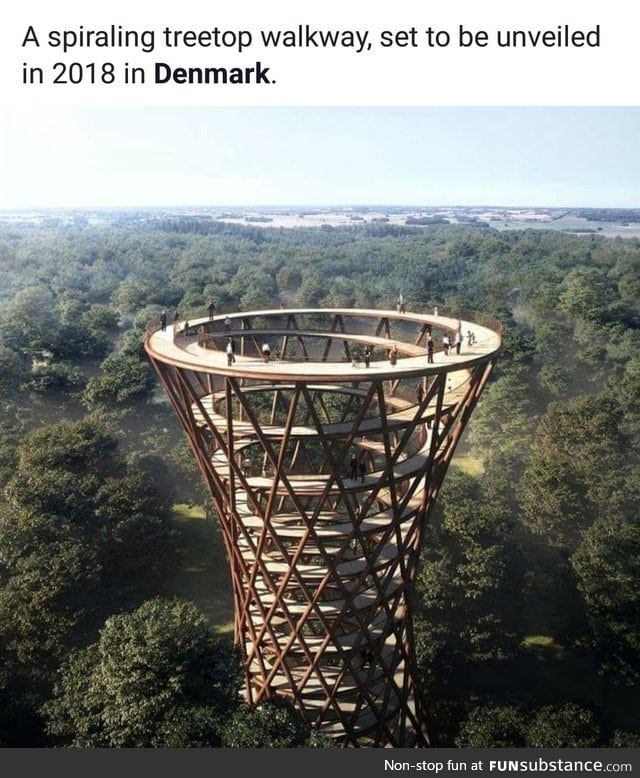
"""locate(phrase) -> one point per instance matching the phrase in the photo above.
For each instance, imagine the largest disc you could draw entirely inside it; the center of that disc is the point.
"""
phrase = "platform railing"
(412, 306)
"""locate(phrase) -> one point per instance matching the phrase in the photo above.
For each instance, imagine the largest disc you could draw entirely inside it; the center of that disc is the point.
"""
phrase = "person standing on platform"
(367, 356)
(227, 325)
(430, 349)
(231, 352)
(393, 354)
(266, 352)
(446, 345)
(163, 321)
(458, 341)
(400, 303)
(362, 469)
(354, 467)
(211, 308)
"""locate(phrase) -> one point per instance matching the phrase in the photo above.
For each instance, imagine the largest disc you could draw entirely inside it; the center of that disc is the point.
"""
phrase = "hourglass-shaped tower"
(323, 461)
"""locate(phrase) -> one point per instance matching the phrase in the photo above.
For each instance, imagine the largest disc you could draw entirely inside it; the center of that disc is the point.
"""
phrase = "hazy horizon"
(317, 206)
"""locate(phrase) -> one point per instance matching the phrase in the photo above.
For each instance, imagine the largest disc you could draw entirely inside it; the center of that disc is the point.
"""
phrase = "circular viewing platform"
(318, 343)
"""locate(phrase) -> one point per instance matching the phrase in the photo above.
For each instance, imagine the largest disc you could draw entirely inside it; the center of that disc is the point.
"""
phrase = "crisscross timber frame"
(323, 473)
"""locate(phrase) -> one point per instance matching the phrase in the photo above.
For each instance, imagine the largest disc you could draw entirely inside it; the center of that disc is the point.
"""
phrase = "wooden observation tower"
(323, 472)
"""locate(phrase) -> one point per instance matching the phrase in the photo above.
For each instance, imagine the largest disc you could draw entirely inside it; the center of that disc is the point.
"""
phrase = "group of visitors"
(368, 352)
(164, 319)
(366, 357)
(448, 347)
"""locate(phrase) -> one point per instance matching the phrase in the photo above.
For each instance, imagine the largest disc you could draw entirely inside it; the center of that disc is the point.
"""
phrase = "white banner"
(498, 52)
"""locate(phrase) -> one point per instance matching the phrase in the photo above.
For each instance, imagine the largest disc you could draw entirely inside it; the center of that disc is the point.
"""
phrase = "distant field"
(625, 224)
(574, 225)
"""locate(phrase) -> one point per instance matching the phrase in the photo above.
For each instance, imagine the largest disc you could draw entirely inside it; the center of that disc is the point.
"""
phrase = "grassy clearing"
(543, 645)
(468, 464)
(203, 573)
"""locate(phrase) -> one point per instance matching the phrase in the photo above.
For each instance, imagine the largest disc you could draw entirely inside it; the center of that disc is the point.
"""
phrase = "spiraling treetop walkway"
(323, 472)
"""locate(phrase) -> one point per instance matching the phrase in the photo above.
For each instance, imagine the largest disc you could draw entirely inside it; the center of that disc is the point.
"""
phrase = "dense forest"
(529, 589)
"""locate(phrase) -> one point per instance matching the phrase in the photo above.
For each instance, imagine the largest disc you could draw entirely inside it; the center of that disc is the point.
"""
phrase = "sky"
(120, 156)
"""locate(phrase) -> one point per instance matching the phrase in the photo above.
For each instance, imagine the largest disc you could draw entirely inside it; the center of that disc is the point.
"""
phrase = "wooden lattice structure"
(323, 472)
